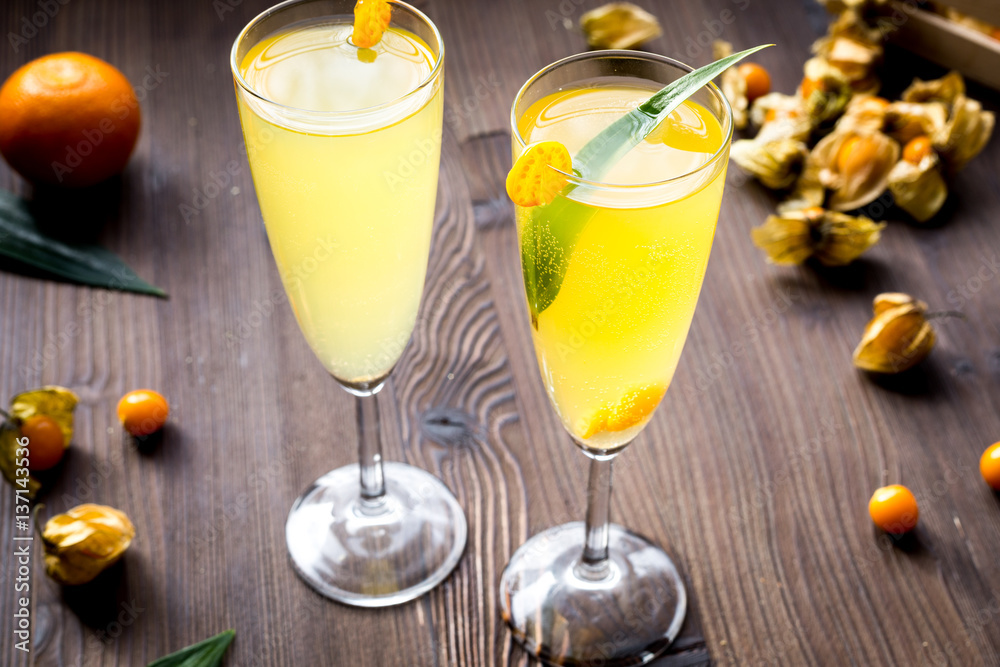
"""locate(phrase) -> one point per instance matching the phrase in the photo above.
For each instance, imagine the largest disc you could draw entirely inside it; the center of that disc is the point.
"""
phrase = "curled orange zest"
(371, 18)
(531, 181)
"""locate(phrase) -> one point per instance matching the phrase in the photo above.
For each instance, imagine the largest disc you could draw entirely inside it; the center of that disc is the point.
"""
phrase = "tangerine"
(68, 119)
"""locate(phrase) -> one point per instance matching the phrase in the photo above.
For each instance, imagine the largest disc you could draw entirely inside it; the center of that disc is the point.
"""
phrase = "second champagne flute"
(612, 271)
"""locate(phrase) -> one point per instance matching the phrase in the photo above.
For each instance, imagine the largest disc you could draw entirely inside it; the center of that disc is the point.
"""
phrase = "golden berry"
(46, 443)
(143, 412)
(894, 509)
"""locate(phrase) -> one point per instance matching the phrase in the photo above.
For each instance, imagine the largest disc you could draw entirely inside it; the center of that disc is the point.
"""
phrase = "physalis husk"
(619, 25)
(734, 86)
(52, 401)
(967, 129)
(919, 189)
(833, 238)
(898, 337)
(777, 164)
(84, 541)
(854, 166)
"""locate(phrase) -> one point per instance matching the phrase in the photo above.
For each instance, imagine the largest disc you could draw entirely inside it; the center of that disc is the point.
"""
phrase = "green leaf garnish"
(206, 653)
(87, 264)
(548, 238)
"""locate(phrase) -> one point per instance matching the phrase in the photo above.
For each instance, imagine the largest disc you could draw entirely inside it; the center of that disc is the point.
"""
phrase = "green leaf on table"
(548, 237)
(206, 653)
(87, 264)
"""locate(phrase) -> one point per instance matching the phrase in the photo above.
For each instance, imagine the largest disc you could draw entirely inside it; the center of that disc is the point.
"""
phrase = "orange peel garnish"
(633, 408)
(534, 179)
(371, 18)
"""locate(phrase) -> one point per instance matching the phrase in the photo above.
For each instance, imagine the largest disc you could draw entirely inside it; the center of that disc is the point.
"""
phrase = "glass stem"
(370, 455)
(594, 564)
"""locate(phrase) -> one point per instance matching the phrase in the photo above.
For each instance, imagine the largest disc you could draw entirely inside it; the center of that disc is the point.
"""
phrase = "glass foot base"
(564, 616)
(377, 556)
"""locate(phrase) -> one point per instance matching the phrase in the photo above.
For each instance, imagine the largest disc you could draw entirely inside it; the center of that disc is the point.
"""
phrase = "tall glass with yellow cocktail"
(612, 273)
(344, 147)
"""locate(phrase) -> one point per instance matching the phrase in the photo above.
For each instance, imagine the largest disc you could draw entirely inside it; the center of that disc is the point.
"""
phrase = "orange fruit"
(46, 443)
(757, 79)
(371, 18)
(68, 119)
(845, 154)
(143, 412)
(989, 465)
(855, 154)
(894, 509)
(633, 408)
(535, 178)
(809, 86)
(917, 149)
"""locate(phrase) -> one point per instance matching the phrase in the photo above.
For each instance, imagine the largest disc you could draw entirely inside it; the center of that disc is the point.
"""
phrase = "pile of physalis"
(34, 436)
(836, 147)
(35, 432)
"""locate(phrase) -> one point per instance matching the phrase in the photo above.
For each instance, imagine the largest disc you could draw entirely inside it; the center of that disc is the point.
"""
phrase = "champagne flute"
(344, 149)
(612, 272)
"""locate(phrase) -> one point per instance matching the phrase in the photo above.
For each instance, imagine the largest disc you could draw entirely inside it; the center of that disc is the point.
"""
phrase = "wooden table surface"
(754, 474)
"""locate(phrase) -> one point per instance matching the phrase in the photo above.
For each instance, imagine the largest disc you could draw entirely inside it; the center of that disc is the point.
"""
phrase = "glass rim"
(242, 83)
(713, 89)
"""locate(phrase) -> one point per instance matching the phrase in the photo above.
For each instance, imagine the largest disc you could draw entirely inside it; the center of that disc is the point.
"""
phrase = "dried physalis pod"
(52, 402)
(916, 183)
(84, 541)
(864, 113)
(776, 164)
(619, 25)
(854, 49)
(825, 90)
(741, 85)
(967, 128)
(781, 116)
(904, 121)
(965, 134)
(855, 166)
(945, 90)
(834, 239)
(734, 86)
(808, 192)
(897, 338)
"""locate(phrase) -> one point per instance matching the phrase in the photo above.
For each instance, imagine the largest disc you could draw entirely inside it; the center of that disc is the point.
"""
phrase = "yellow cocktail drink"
(346, 176)
(341, 107)
(619, 167)
(610, 339)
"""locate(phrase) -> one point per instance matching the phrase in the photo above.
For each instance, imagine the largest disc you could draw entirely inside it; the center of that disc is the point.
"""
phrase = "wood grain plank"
(754, 474)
